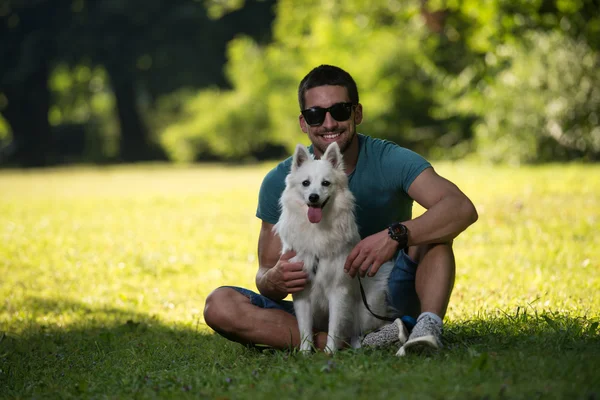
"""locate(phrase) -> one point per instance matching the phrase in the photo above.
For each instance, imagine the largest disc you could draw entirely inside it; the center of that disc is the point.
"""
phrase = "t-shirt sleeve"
(268, 197)
(401, 166)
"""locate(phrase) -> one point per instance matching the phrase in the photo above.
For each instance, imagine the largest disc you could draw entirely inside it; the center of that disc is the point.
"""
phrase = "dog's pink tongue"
(315, 214)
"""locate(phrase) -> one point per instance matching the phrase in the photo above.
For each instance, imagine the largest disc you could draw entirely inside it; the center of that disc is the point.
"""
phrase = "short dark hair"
(327, 75)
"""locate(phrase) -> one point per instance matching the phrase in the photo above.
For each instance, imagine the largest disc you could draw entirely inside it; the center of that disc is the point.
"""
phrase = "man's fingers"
(374, 268)
(295, 284)
(290, 276)
(350, 259)
(364, 267)
(293, 266)
(358, 261)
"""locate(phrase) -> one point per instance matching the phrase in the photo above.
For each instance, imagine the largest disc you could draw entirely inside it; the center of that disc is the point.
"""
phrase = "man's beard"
(343, 145)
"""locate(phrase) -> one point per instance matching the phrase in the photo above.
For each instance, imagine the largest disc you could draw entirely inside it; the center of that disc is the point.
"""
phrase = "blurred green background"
(106, 81)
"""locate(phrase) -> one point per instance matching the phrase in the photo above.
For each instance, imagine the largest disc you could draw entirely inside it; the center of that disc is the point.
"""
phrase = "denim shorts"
(401, 295)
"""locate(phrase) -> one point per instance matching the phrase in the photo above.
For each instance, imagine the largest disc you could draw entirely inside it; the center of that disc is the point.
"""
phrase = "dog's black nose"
(313, 198)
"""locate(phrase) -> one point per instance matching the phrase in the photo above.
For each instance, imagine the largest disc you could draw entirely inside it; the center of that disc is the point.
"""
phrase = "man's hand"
(372, 252)
(287, 277)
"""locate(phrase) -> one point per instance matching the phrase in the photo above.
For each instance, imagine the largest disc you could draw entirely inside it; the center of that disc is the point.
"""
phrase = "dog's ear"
(334, 156)
(301, 155)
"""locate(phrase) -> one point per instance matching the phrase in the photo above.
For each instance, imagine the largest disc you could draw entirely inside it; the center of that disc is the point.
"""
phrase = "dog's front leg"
(304, 315)
(338, 319)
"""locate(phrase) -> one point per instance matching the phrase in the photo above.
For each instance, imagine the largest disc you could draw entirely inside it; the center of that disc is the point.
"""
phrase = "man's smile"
(331, 136)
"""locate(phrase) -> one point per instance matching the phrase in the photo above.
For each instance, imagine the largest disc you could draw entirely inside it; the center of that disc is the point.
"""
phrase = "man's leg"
(232, 314)
(420, 287)
(434, 279)
(433, 283)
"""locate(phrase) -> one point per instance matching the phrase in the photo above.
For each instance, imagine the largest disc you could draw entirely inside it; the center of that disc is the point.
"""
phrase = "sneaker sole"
(422, 345)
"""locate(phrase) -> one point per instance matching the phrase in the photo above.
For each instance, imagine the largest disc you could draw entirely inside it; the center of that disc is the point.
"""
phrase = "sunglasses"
(315, 116)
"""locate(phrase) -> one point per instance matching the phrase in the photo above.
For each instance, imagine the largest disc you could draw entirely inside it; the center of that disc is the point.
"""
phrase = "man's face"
(342, 132)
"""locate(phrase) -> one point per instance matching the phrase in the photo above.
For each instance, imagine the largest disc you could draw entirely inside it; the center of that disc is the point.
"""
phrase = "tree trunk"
(435, 20)
(27, 115)
(134, 140)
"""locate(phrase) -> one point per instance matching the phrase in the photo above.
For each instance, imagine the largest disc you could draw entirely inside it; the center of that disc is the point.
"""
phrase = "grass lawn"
(104, 272)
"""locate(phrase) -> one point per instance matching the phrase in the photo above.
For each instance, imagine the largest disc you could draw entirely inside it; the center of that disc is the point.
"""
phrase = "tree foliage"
(532, 82)
(381, 46)
(147, 48)
(544, 105)
(431, 75)
(510, 80)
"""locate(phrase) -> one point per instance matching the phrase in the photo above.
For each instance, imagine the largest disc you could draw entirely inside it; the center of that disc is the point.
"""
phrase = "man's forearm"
(442, 222)
(265, 287)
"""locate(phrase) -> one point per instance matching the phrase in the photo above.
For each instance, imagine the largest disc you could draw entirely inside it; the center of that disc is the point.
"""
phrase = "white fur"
(331, 301)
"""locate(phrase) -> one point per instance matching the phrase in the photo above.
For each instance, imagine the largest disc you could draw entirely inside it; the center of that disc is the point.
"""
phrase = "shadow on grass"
(120, 353)
(105, 347)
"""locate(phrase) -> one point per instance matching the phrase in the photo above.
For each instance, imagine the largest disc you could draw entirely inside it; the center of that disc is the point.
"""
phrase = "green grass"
(104, 272)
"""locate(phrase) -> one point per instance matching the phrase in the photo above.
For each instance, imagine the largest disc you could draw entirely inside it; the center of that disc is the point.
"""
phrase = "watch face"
(399, 233)
(399, 229)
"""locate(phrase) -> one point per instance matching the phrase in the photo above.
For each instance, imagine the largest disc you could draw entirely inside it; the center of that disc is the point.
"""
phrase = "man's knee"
(221, 309)
(436, 252)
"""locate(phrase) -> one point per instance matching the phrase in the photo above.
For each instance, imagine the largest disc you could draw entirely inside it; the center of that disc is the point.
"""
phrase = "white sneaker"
(386, 335)
(426, 337)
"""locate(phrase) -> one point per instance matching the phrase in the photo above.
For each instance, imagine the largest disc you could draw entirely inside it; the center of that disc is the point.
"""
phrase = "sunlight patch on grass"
(158, 239)
(107, 269)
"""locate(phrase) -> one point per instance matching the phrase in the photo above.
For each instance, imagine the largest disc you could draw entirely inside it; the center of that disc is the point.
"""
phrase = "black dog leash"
(362, 293)
(364, 298)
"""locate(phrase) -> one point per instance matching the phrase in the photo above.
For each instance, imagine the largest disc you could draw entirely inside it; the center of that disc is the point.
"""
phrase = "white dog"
(318, 223)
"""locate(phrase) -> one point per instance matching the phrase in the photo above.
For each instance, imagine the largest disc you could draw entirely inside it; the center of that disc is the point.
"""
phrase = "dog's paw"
(332, 346)
(306, 347)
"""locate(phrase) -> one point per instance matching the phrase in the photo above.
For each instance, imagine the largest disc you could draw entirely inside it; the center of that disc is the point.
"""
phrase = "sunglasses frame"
(346, 106)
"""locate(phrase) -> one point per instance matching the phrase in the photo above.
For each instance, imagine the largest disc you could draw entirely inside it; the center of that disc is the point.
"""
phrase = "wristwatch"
(399, 233)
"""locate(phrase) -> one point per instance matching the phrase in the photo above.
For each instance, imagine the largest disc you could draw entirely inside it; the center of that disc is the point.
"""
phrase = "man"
(385, 179)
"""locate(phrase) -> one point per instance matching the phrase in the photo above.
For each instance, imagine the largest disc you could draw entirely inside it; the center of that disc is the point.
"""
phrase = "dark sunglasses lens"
(341, 111)
(314, 116)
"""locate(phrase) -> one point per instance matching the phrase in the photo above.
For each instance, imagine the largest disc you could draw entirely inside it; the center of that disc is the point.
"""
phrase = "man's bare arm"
(276, 276)
(449, 210)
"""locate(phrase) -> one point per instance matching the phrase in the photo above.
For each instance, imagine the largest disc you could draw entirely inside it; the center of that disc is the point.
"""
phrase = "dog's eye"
(306, 183)
(325, 183)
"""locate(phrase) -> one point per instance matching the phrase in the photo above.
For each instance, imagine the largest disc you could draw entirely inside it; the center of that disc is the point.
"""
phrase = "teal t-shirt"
(380, 182)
